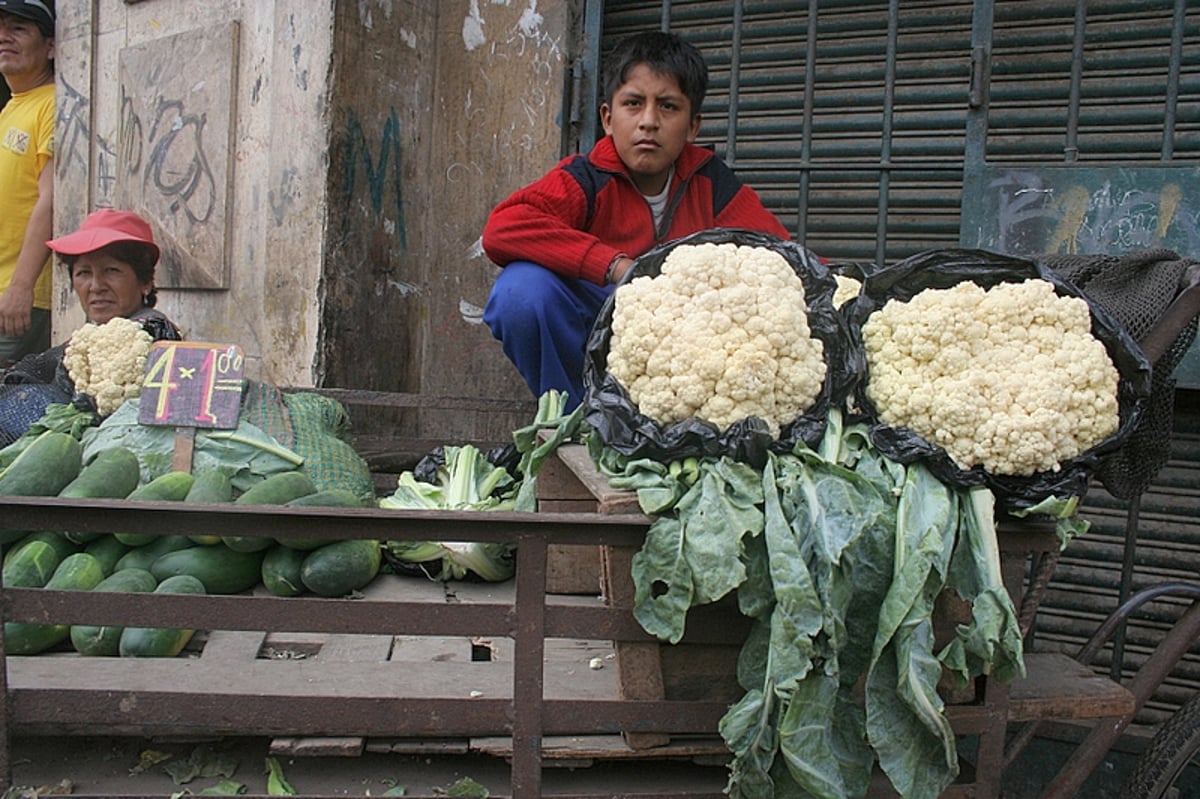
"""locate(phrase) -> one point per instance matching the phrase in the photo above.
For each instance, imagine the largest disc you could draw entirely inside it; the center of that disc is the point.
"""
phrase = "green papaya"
(108, 550)
(104, 640)
(278, 489)
(62, 545)
(281, 571)
(77, 572)
(31, 565)
(341, 567)
(222, 570)
(210, 487)
(157, 641)
(44, 468)
(169, 487)
(325, 498)
(112, 474)
(142, 557)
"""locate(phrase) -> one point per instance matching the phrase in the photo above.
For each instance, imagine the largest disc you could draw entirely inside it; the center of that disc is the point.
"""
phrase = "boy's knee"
(519, 293)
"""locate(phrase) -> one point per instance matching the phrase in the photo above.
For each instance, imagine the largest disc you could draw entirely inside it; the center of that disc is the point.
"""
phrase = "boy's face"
(650, 120)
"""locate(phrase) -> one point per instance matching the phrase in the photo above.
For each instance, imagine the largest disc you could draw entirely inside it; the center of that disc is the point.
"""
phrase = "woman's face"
(107, 287)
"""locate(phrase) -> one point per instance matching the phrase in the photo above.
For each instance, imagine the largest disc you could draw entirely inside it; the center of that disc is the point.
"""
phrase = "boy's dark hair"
(666, 54)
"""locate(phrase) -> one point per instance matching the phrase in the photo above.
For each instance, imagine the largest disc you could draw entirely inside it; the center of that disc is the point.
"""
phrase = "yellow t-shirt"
(26, 144)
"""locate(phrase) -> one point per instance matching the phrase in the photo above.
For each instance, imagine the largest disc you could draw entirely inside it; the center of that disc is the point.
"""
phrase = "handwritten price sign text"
(192, 384)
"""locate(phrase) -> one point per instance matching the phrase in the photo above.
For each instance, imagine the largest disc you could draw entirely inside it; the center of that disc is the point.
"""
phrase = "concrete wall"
(317, 172)
(141, 126)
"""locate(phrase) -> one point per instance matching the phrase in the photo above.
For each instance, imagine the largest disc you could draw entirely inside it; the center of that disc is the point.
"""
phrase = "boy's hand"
(618, 268)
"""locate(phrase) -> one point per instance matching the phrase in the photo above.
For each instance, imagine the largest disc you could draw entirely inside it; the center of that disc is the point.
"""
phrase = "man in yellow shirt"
(26, 176)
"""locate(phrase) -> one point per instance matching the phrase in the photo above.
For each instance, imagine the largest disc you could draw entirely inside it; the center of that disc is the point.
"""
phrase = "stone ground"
(110, 767)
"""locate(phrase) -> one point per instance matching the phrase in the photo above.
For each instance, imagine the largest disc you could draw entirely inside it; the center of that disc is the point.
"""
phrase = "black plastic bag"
(942, 269)
(619, 423)
(505, 456)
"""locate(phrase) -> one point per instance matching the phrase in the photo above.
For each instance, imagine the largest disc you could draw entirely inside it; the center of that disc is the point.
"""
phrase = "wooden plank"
(318, 746)
(609, 500)
(557, 482)
(606, 747)
(639, 666)
(1026, 535)
(233, 645)
(302, 678)
(1057, 686)
(572, 569)
(418, 746)
(431, 649)
(587, 505)
(343, 648)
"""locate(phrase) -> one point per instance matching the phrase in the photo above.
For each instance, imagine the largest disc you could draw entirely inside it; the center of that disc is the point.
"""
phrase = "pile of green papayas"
(52, 466)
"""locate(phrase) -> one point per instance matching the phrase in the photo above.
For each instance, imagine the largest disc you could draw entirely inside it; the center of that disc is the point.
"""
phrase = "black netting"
(1136, 289)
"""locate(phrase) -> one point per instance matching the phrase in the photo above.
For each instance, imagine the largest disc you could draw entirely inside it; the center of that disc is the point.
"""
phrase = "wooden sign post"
(190, 385)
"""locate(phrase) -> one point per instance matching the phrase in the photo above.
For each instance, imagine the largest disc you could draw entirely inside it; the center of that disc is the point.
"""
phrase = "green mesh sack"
(316, 428)
(263, 407)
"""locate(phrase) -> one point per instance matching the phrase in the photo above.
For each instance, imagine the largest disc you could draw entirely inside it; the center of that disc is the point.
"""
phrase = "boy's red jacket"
(586, 211)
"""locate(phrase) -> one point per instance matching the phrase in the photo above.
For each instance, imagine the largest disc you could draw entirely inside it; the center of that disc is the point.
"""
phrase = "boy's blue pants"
(543, 321)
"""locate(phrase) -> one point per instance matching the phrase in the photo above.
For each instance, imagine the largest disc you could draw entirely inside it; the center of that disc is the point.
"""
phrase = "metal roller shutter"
(1087, 582)
(875, 131)
(863, 155)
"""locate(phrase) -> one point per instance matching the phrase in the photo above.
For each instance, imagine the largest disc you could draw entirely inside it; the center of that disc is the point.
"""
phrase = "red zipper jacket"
(586, 211)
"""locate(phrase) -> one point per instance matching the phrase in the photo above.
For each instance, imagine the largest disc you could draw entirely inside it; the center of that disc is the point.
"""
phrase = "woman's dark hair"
(666, 54)
(139, 257)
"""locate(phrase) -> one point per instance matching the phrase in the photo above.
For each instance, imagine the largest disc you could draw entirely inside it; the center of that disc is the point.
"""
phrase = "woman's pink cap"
(102, 228)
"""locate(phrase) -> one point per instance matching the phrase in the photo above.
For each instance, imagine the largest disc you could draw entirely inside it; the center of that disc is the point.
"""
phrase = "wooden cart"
(668, 701)
(664, 693)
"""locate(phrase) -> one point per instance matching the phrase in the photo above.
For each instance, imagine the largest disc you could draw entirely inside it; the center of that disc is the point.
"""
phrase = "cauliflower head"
(107, 361)
(721, 334)
(1010, 378)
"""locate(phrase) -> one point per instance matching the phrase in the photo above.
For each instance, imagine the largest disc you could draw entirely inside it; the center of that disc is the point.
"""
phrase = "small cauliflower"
(847, 289)
(1010, 378)
(721, 334)
(107, 362)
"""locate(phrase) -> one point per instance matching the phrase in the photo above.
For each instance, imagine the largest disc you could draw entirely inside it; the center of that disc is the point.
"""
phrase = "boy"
(565, 240)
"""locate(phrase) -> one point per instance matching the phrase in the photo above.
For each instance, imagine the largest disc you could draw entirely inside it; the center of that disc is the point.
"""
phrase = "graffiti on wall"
(175, 167)
(1090, 210)
(174, 164)
(72, 132)
(376, 171)
(1082, 210)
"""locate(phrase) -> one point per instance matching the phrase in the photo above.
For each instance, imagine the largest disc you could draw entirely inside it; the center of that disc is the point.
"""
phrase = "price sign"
(192, 384)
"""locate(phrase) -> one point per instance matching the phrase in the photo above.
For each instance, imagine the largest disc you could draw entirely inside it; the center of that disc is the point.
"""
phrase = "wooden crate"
(321, 664)
(645, 671)
(561, 488)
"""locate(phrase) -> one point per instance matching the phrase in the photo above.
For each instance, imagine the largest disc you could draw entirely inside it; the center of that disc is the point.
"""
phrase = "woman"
(111, 260)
